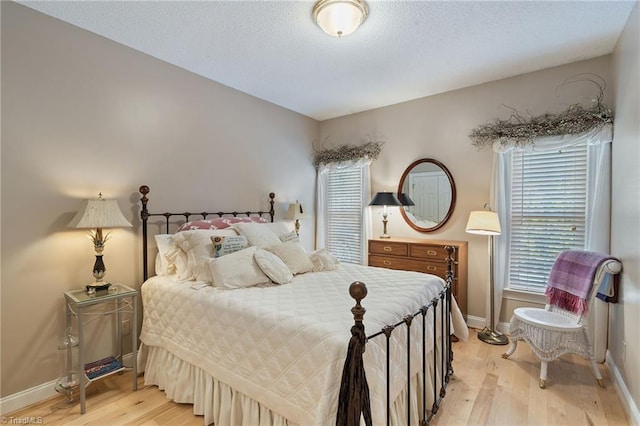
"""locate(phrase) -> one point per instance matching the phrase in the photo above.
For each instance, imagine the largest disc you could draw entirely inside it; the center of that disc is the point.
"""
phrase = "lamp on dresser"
(99, 214)
(486, 222)
(385, 199)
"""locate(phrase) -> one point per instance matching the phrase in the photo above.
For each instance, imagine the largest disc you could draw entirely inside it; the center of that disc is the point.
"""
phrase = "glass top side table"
(118, 300)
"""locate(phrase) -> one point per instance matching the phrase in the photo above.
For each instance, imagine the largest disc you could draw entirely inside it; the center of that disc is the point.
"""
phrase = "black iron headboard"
(145, 215)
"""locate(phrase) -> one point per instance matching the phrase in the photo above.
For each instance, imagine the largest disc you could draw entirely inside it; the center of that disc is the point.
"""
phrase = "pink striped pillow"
(219, 222)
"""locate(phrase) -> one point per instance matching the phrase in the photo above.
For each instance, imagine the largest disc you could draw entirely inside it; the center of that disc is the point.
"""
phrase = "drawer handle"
(432, 252)
(387, 248)
(386, 262)
(431, 268)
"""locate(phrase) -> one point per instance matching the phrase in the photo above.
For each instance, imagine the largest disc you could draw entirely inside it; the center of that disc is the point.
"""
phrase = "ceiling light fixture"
(339, 17)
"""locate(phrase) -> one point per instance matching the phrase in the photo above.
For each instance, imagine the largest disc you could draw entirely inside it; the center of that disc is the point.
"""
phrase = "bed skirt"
(224, 406)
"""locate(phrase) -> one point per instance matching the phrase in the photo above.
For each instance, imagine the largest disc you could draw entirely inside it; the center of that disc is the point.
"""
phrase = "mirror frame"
(453, 194)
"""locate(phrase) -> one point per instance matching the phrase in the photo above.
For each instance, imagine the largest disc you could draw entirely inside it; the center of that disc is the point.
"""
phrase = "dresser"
(423, 255)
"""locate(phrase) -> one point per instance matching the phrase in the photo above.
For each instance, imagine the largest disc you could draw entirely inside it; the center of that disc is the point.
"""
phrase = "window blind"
(548, 207)
(344, 214)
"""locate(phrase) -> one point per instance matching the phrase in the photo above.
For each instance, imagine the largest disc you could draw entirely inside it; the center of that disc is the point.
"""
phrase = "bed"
(295, 353)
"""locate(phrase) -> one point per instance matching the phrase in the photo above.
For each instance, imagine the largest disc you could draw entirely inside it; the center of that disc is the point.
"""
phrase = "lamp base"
(97, 289)
(385, 236)
(492, 337)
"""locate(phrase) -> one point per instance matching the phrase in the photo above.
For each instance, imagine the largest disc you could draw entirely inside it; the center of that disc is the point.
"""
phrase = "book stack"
(101, 367)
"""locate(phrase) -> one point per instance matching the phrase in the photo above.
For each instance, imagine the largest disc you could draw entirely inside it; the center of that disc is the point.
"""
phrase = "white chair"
(552, 332)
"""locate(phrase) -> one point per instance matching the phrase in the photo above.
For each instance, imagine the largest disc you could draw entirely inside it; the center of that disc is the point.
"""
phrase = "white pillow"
(198, 247)
(289, 236)
(236, 270)
(280, 228)
(171, 260)
(257, 234)
(323, 260)
(228, 245)
(293, 255)
(273, 267)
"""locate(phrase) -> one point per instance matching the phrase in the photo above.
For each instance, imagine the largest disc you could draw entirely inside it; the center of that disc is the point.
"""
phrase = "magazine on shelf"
(101, 367)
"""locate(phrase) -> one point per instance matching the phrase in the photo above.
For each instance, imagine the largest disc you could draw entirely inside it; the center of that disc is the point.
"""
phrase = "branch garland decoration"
(344, 153)
(521, 131)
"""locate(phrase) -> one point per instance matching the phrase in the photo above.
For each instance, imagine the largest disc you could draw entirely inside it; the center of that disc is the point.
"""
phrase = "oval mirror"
(432, 195)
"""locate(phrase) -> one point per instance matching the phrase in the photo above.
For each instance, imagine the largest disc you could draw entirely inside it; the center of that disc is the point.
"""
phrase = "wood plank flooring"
(485, 390)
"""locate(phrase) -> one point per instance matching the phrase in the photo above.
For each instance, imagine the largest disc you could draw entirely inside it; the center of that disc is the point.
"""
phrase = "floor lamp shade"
(99, 214)
(486, 222)
(483, 222)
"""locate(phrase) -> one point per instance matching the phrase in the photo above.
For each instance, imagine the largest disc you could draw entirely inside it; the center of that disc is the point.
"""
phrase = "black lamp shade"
(405, 200)
(385, 199)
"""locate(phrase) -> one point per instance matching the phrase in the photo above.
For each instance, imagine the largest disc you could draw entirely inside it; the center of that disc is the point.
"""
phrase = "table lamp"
(385, 199)
(295, 213)
(99, 214)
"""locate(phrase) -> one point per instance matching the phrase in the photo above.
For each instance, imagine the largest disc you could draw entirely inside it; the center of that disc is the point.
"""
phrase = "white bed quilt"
(285, 346)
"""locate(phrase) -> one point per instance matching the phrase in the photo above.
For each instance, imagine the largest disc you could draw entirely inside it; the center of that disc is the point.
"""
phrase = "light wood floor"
(485, 390)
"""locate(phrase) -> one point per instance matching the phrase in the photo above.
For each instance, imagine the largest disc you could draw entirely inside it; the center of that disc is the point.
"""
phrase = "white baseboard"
(22, 399)
(480, 323)
(19, 400)
(623, 392)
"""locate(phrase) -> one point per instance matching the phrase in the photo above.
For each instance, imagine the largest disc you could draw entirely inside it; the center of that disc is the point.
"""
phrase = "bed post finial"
(450, 260)
(358, 290)
(272, 211)
(144, 215)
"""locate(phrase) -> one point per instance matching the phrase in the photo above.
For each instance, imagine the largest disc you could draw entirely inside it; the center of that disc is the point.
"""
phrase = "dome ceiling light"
(339, 17)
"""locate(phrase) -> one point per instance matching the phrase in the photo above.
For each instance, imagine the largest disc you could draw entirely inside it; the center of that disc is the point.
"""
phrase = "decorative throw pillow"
(293, 255)
(171, 260)
(236, 270)
(323, 260)
(257, 234)
(227, 245)
(199, 247)
(273, 267)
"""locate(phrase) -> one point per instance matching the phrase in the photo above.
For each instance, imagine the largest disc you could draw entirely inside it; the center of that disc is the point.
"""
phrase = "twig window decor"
(520, 131)
(370, 150)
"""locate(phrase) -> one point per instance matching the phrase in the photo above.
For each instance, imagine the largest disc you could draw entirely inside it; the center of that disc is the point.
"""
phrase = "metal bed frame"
(354, 400)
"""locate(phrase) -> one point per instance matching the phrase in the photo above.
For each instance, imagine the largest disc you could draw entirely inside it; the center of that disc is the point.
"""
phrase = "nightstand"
(118, 300)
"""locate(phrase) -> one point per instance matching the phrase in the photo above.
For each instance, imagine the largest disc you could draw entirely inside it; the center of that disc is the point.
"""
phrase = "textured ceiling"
(404, 50)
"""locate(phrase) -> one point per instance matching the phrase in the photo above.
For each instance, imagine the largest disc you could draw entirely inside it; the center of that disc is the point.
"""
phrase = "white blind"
(548, 207)
(344, 214)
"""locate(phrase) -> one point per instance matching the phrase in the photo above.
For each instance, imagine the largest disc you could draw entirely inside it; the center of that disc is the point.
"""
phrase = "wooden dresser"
(423, 255)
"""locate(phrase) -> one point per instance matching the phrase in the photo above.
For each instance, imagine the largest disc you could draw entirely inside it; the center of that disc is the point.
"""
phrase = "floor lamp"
(486, 222)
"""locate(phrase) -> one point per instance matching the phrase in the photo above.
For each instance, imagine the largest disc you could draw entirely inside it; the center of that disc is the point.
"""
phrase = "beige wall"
(438, 127)
(81, 114)
(624, 346)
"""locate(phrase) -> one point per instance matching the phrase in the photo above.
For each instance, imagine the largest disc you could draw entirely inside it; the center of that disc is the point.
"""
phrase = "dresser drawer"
(408, 265)
(388, 248)
(429, 252)
(395, 263)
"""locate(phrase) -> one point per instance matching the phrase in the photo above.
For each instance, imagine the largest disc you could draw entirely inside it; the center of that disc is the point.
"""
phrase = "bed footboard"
(354, 401)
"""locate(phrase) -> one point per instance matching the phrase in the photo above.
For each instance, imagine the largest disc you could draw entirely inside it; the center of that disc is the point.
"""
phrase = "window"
(548, 212)
(342, 225)
(344, 214)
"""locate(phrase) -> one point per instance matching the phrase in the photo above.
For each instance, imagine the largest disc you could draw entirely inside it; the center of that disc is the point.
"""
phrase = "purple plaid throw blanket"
(571, 278)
